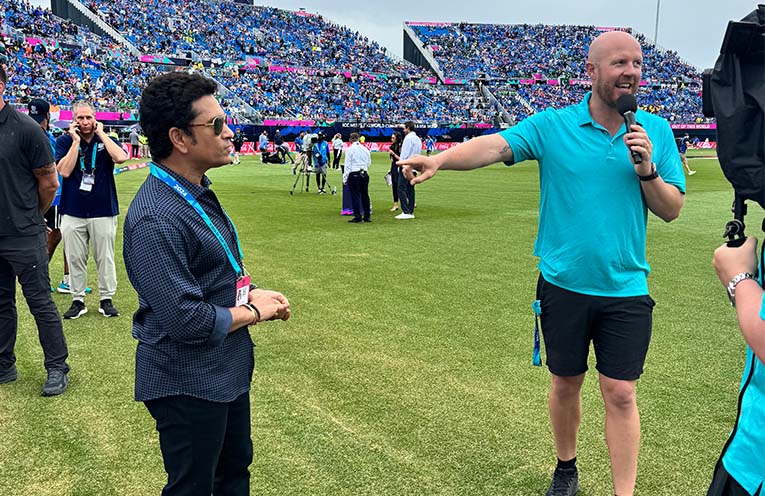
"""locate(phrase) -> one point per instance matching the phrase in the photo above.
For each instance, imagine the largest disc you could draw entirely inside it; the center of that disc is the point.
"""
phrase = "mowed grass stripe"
(406, 367)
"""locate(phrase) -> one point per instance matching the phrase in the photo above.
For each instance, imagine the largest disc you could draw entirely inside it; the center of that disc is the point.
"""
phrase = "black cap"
(38, 109)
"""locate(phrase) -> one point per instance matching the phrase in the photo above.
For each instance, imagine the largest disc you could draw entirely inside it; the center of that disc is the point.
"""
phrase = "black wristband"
(650, 177)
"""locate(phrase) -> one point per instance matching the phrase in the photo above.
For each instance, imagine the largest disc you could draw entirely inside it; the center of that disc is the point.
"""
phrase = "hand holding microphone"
(637, 141)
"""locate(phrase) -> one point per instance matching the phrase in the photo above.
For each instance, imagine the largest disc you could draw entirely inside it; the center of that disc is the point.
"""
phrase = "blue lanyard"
(92, 160)
(176, 186)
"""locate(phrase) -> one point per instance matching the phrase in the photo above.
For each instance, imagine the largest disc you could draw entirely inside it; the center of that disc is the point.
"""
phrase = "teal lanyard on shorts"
(536, 357)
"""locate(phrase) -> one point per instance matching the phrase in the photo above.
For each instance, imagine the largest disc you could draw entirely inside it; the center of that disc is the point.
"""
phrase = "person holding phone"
(86, 157)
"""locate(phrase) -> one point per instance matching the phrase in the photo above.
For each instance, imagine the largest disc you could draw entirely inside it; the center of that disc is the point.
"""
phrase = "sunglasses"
(217, 125)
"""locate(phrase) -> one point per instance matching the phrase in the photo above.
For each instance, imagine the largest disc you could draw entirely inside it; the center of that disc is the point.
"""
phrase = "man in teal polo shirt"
(741, 469)
(591, 244)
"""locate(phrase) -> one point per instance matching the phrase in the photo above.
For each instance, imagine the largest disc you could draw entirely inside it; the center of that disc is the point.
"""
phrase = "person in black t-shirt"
(238, 140)
(28, 184)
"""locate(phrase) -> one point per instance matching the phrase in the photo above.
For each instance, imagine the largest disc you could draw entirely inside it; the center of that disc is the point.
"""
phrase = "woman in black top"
(395, 151)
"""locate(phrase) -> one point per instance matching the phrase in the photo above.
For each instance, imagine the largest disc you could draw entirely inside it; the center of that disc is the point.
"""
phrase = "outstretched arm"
(478, 152)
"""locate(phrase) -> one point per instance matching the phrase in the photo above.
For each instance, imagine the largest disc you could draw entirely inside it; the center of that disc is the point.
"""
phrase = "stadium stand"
(292, 65)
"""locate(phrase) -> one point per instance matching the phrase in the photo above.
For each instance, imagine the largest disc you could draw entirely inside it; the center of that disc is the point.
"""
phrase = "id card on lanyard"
(89, 179)
(243, 279)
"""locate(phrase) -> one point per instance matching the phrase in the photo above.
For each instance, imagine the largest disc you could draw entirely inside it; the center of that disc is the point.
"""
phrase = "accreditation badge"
(242, 290)
(88, 180)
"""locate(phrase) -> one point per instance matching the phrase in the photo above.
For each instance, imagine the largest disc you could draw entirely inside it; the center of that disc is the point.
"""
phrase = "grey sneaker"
(9, 375)
(56, 384)
(107, 309)
(77, 309)
(565, 482)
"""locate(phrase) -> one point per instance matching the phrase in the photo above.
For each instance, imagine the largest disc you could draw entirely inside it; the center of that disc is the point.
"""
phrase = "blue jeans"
(405, 193)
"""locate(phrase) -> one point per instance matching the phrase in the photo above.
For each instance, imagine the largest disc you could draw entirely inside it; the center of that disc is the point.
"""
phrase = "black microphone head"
(626, 103)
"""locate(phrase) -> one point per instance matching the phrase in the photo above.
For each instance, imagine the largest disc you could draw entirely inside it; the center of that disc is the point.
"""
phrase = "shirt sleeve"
(667, 159)
(159, 262)
(525, 138)
(37, 148)
(63, 143)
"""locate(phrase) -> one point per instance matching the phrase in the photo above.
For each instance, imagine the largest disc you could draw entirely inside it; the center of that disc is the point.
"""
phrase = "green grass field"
(406, 368)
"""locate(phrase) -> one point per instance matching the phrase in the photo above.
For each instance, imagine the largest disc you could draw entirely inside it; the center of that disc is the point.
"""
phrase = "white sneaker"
(404, 216)
(690, 173)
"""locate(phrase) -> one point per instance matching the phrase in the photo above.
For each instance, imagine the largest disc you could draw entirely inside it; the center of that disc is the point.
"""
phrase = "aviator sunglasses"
(217, 125)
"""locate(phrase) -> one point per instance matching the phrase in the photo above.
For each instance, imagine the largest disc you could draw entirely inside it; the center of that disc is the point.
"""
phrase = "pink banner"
(287, 123)
(436, 24)
(694, 126)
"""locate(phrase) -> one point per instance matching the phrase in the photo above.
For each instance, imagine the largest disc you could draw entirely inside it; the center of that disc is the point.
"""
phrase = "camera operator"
(740, 470)
(320, 154)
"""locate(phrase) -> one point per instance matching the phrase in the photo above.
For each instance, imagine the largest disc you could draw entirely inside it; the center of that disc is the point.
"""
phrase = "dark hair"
(167, 103)
(353, 137)
(398, 137)
(3, 76)
(409, 125)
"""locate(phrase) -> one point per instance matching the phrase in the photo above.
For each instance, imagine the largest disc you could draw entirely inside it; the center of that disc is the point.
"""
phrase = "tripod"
(303, 173)
(304, 178)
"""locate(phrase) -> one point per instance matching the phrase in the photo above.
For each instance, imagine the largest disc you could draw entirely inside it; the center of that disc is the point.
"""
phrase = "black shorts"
(619, 328)
(53, 218)
(237, 148)
(723, 484)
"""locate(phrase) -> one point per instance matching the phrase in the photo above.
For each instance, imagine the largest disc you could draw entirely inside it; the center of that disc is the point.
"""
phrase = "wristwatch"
(734, 282)
(650, 177)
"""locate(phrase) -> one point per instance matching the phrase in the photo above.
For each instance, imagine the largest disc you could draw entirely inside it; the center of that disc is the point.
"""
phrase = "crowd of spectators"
(676, 102)
(221, 30)
(328, 97)
(335, 73)
(510, 51)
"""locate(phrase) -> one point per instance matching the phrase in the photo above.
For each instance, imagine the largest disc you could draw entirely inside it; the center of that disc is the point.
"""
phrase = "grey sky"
(693, 29)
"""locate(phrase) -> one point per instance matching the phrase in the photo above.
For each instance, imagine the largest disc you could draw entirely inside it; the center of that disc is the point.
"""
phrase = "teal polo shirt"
(744, 458)
(592, 215)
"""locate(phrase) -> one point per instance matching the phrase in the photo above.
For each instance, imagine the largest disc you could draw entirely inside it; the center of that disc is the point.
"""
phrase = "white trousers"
(77, 233)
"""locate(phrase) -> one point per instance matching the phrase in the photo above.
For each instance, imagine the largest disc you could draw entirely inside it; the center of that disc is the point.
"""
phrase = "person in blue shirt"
(682, 149)
(741, 468)
(183, 256)
(263, 143)
(89, 207)
(591, 244)
(320, 154)
(430, 145)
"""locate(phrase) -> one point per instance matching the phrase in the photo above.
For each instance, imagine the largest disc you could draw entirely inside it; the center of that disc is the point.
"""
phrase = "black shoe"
(9, 375)
(565, 482)
(354, 221)
(56, 384)
(107, 309)
(77, 309)
(367, 220)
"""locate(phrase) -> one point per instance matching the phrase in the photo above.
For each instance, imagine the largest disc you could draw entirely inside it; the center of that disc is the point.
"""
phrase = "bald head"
(608, 43)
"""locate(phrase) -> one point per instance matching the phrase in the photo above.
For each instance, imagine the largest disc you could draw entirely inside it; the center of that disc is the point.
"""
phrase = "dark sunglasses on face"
(217, 125)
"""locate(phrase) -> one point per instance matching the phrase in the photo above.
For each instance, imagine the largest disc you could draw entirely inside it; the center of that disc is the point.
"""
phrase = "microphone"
(627, 106)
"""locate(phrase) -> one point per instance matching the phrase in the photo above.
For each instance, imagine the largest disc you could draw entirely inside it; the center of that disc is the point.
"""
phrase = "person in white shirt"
(357, 160)
(412, 146)
(337, 149)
